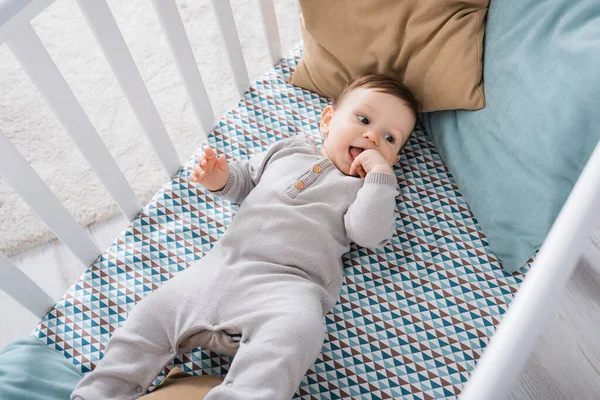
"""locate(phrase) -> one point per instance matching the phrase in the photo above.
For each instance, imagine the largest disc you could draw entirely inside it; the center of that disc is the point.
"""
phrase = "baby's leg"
(274, 356)
(166, 320)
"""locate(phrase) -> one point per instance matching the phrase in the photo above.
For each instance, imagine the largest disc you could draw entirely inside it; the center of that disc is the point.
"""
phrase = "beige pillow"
(182, 386)
(433, 46)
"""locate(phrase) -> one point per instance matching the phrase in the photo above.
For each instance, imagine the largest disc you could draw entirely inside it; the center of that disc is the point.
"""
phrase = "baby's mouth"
(354, 152)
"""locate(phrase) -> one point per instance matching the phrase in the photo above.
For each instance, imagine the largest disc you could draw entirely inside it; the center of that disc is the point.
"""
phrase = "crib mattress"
(412, 318)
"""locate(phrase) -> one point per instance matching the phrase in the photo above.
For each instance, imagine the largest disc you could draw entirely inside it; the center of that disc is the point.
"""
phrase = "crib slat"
(30, 52)
(232, 42)
(108, 35)
(17, 171)
(20, 287)
(506, 354)
(171, 23)
(16, 13)
(267, 9)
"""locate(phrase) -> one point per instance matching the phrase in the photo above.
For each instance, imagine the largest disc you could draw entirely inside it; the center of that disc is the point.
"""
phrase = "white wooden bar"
(25, 291)
(30, 52)
(267, 11)
(16, 13)
(232, 43)
(106, 31)
(171, 23)
(506, 354)
(40, 198)
(592, 253)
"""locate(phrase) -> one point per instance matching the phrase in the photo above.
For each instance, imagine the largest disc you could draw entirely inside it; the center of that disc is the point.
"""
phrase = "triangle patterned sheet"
(413, 317)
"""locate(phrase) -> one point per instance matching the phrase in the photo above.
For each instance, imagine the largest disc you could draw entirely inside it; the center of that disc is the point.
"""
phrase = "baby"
(277, 271)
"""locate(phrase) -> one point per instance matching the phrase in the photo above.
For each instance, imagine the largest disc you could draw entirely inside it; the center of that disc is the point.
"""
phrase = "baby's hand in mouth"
(367, 161)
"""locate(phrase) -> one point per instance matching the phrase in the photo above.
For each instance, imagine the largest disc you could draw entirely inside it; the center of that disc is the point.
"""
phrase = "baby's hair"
(384, 84)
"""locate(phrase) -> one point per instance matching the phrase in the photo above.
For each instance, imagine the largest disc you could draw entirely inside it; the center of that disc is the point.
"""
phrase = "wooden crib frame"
(507, 352)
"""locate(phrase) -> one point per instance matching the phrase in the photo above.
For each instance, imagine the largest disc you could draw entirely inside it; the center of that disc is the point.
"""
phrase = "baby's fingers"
(222, 164)
(197, 174)
(361, 171)
(209, 154)
(210, 159)
(354, 166)
(201, 160)
(194, 177)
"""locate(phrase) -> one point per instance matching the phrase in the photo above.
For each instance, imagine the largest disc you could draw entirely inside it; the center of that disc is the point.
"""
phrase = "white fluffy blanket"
(31, 126)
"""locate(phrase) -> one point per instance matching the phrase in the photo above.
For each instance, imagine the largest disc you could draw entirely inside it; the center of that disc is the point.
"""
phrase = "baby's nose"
(372, 136)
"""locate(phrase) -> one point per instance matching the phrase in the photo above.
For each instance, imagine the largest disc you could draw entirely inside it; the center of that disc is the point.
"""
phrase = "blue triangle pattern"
(412, 318)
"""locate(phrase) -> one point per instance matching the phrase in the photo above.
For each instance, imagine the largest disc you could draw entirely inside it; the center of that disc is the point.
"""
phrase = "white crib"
(507, 352)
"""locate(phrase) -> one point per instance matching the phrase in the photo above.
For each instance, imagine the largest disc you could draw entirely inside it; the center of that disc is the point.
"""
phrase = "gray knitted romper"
(271, 278)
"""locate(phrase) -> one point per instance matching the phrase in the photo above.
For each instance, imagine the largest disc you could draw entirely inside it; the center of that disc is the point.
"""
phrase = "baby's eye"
(363, 119)
(389, 138)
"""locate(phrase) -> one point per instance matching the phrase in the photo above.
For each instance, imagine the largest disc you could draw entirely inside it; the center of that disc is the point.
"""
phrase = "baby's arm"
(235, 180)
(370, 220)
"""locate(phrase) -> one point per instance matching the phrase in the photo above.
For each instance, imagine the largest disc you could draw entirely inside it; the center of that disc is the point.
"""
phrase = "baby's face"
(365, 119)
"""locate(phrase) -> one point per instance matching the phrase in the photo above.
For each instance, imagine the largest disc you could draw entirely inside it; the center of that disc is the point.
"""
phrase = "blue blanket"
(30, 370)
(516, 160)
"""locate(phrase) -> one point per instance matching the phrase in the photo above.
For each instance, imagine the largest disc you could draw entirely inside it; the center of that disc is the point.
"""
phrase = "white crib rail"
(14, 14)
(38, 196)
(18, 285)
(31, 53)
(232, 43)
(270, 23)
(16, 31)
(507, 352)
(108, 35)
(171, 23)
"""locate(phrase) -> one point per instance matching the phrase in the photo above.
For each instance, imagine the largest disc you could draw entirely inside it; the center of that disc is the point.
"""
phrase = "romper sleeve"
(370, 220)
(244, 175)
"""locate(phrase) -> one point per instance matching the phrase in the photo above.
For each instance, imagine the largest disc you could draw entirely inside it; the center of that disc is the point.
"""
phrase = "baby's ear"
(325, 119)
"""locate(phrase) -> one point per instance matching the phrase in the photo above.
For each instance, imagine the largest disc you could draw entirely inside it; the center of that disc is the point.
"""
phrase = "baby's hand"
(370, 160)
(211, 172)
